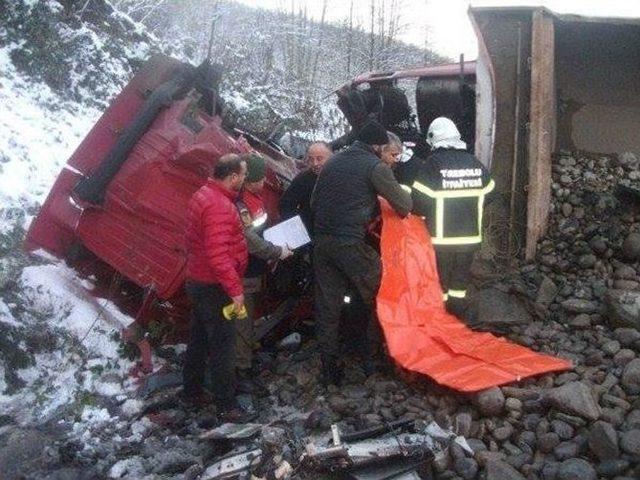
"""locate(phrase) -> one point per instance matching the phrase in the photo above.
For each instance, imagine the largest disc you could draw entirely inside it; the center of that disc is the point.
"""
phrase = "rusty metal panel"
(502, 107)
(542, 130)
(485, 111)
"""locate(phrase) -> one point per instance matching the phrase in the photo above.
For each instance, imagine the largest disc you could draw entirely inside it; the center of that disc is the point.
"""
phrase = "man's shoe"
(198, 398)
(331, 374)
(369, 368)
(253, 387)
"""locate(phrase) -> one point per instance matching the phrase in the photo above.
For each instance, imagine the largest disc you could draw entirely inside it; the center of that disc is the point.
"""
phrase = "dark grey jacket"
(344, 200)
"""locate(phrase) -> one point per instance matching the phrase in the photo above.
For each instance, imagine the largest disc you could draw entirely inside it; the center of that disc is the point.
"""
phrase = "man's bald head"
(317, 155)
(231, 171)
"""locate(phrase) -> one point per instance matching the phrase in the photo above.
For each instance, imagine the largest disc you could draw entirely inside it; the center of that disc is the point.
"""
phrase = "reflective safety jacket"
(449, 190)
(254, 218)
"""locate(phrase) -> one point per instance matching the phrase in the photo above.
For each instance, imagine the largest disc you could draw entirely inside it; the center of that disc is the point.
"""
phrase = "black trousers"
(454, 270)
(337, 265)
(212, 344)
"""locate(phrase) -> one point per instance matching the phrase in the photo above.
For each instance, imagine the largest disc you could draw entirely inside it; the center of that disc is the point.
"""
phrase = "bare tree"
(319, 46)
(350, 39)
(372, 36)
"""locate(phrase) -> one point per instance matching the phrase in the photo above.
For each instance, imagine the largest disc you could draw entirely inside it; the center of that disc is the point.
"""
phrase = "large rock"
(631, 247)
(603, 441)
(21, 453)
(623, 308)
(498, 308)
(547, 292)
(173, 461)
(630, 442)
(498, 470)
(566, 450)
(462, 424)
(490, 402)
(576, 469)
(580, 305)
(631, 377)
(627, 336)
(611, 468)
(574, 398)
(628, 160)
(467, 468)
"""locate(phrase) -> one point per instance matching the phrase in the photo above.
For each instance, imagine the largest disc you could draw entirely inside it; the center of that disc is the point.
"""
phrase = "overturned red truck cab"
(118, 206)
(117, 209)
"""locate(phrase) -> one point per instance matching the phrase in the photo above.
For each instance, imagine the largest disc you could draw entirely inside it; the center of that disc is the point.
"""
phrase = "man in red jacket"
(216, 262)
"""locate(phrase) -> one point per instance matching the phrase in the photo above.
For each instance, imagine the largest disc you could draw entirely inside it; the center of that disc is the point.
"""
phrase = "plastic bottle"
(229, 312)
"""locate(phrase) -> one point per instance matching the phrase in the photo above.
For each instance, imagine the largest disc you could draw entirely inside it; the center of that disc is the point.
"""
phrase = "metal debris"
(232, 431)
(159, 381)
(394, 452)
(233, 465)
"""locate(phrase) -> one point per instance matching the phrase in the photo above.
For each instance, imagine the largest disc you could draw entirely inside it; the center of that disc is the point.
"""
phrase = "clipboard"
(291, 233)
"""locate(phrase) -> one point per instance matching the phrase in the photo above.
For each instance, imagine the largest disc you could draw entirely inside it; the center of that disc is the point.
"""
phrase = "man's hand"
(286, 252)
(238, 302)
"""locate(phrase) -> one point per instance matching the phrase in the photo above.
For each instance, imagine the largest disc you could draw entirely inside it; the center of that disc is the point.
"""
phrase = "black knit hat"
(372, 133)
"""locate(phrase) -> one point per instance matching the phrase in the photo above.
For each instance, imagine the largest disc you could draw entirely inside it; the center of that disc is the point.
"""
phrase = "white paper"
(291, 233)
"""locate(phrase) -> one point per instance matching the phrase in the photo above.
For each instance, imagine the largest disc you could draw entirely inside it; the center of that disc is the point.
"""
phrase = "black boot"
(331, 373)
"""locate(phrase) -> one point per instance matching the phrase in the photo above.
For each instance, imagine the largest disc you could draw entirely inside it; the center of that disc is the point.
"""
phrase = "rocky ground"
(579, 300)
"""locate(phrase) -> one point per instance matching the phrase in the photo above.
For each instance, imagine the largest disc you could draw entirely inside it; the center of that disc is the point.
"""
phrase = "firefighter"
(343, 203)
(261, 251)
(449, 189)
(297, 198)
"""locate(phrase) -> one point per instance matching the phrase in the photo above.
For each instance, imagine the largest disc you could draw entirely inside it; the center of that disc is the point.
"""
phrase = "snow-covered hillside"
(59, 345)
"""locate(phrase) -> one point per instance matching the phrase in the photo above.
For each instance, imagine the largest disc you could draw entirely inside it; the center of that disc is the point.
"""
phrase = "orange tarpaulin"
(422, 336)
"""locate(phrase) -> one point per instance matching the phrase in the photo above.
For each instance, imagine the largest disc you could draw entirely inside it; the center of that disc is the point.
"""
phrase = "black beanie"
(372, 133)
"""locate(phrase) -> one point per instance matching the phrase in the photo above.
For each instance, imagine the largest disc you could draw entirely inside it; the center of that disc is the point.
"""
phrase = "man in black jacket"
(449, 189)
(296, 199)
(343, 203)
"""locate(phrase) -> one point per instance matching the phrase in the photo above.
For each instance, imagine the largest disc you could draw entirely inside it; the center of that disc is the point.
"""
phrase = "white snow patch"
(95, 416)
(58, 286)
(131, 407)
(131, 467)
(139, 428)
(59, 377)
(38, 132)
(107, 389)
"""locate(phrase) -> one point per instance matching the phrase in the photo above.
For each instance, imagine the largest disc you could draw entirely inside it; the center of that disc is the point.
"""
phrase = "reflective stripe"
(454, 193)
(490, 186)
(259, 221)
(439, 219)
(457, 293)
(457, 240)
(406, 188)
(439, 196)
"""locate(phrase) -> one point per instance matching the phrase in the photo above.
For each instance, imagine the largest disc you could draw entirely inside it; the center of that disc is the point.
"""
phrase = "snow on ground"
(38, 132)
(78, 370)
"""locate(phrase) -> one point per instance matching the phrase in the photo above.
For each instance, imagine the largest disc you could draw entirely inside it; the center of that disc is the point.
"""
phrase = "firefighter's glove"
(285, 253)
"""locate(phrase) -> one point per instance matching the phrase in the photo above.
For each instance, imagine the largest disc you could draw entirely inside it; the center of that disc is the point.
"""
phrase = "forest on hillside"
(280, 65)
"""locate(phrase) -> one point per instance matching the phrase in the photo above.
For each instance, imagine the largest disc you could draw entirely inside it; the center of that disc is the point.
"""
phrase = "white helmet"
(443, 133)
